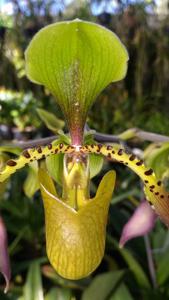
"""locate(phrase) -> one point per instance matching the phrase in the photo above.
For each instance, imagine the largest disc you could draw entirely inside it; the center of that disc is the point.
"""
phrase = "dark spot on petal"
(113, 152)
(157, 193)
(120, 152)
(43, 156)
(152, 186)
(99, 146)
(49, 146)
(31, 160)
(56, 150)
(162, 196)
(26, 154)
(151, 190)
(109, 147)
(11, 163)
(146, 181)
(132, 157)
(148, 172)
(159, 183)
(39, 149)
(139, 163)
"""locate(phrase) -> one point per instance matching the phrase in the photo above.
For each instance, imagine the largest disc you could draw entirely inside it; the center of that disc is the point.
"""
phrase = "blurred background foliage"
(140, 100)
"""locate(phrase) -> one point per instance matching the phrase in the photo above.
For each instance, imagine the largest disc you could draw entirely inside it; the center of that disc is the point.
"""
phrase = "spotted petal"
(76, 239)
(155, 192)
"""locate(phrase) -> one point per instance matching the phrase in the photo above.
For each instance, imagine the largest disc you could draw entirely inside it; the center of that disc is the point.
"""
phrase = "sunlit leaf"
(75, 60)
(51, 121)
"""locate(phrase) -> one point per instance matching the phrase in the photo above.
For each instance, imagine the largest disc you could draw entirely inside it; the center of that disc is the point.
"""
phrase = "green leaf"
(162, 268)
(31, 184)
(134, 266)
(157, 157)
(75, 60)
(54, 164)
(58, 294)
(51, 121)
(102, 285)
(33, 288)
(121, 293)
(11, 149)
(95, 164)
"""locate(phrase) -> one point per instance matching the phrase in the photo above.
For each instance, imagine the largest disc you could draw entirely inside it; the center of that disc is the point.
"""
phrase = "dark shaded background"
(140, 100)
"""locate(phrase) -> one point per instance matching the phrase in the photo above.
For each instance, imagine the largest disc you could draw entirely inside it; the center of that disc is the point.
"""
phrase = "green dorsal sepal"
(75, 60)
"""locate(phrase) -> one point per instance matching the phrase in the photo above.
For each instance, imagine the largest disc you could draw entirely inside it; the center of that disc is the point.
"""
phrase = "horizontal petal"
(155, 192)
(32, 154)
(76, 239)
(140, 223)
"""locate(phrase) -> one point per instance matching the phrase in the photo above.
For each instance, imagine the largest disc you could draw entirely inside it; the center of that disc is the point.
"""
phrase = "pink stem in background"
(4, 257)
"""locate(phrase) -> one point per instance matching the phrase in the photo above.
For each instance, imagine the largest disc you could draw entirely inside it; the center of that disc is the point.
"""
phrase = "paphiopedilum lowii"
(75, 61)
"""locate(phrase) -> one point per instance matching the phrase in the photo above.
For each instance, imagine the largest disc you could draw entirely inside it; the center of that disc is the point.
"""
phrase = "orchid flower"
(75, 61)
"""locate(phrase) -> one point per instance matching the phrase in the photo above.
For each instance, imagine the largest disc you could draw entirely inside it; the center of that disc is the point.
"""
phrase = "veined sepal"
(75, 240)
(75, 60)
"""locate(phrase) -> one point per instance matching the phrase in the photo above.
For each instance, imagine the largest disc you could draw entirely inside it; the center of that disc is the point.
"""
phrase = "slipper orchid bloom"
(75, 61)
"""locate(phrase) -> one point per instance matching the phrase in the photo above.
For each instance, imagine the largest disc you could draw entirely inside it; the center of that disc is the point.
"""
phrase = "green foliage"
(33, 287)
(102, 286)
(157, 157)
(31, 184)
(51, 121)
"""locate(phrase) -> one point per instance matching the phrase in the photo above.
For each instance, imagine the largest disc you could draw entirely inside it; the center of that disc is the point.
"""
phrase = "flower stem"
(99, 137)
(150, 261)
